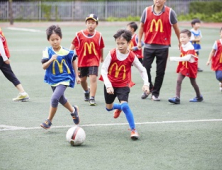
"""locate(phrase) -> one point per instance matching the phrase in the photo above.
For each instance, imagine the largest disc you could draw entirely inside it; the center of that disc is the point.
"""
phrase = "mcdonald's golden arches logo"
(118, 70)
(90, 47)
(157, 24)
(60, 66)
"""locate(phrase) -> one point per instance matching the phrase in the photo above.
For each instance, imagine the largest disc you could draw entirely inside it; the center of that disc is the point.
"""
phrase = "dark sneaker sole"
(173, 102)
(134, 137)
(44, 127)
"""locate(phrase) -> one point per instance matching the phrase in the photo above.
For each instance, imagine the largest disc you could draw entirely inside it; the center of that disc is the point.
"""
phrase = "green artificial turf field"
(172, 137)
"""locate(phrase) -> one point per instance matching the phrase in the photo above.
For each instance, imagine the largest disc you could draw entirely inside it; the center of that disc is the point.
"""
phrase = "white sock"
(23, 93)
(73, 110)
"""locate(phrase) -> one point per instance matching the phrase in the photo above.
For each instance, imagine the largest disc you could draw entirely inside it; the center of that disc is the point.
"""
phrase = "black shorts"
(122, 93)
(86, 71)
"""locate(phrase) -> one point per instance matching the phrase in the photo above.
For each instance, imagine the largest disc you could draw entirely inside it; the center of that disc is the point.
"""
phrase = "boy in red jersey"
(187, 68)
(115, 72)
(215, 58)
(89, 46)
(7, 70)
(156, 22)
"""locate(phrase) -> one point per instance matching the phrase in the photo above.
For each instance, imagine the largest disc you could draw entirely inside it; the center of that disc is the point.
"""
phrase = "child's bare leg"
(52, 111)
(68, 106)
(93, 85)
(84, 83)
(20, 88)
(109, 106)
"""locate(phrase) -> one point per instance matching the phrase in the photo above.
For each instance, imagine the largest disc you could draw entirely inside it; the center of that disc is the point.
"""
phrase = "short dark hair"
(133, 25)
(194, 21)
(53, 29)
(123, 33)
(186, 31)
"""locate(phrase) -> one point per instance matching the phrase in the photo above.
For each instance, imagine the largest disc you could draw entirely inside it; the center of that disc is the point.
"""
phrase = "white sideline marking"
(13, 128)
(23, 29)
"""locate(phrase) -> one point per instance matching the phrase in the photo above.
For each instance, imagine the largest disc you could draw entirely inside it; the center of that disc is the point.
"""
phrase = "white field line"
(13, 128)
(23, 29)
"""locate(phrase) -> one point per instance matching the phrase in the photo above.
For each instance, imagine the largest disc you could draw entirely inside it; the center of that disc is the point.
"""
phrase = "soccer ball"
(75, 136)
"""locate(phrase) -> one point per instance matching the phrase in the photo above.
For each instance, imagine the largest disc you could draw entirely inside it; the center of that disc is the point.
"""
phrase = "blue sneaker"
(174, 100)
(75, 115)
(197, 99)
(47, 124)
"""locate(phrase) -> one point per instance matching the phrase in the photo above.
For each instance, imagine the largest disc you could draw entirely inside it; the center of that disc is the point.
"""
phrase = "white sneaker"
(155, 98)
(21, 97)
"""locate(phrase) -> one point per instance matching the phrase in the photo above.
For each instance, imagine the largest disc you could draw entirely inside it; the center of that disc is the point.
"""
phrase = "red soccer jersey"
(186, 68)
(133, 44)
(88, 48)
(157, 28)
(216, 63)
(4, 42)
(119, 71)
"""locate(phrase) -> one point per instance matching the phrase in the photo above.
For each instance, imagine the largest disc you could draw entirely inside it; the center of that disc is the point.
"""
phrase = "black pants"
(8, 73)
(161, 56)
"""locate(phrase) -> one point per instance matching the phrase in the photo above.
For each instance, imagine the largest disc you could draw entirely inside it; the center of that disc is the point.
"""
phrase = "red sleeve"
(102, 43)
(75, 42)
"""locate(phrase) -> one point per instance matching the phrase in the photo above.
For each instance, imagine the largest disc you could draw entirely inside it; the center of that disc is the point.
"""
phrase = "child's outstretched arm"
(212, 53)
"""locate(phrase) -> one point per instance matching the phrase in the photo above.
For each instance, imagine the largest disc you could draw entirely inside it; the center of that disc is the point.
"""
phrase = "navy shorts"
(218, 75)
(86, 71)
(122, 93)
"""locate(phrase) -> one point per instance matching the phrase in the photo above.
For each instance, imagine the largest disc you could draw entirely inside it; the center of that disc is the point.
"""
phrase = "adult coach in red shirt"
(156, 23)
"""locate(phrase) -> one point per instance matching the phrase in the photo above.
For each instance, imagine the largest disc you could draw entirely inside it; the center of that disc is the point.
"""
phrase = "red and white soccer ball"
(75, 136)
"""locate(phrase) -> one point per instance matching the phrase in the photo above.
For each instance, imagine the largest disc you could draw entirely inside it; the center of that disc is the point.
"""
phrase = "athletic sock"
(129, 115)
(73, 110)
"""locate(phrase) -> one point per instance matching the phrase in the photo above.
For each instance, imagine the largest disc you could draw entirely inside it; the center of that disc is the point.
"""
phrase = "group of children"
(62, 69)
(65, 67)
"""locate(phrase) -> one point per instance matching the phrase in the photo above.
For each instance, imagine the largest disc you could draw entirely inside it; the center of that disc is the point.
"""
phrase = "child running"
(115, 71)
(89, 47)
(215, 58)
(7, 70)
(187, 68)
(59, 64)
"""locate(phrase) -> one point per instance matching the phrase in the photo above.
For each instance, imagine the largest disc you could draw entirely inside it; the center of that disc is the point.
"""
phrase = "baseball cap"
(92, 16)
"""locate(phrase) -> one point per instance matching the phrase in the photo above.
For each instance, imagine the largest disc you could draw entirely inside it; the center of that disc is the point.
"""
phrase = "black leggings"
(192, 81)
(8, 73)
